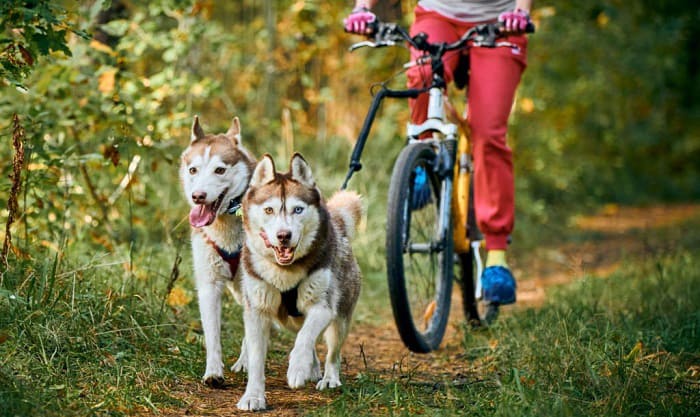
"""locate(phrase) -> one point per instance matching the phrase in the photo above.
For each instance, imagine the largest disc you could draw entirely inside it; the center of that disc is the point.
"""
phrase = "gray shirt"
(469, 10)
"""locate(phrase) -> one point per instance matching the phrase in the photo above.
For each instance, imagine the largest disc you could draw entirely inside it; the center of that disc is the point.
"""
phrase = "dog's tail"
(346, 211)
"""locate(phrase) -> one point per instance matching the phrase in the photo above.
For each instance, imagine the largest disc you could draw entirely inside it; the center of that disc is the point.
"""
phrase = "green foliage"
(31, 29)
(99, 119)
(610, 116)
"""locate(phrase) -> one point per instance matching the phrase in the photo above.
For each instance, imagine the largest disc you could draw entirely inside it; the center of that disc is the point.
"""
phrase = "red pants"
(494, 75)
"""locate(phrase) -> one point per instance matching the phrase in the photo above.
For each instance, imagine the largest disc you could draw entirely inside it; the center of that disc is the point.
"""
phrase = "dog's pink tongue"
(201, 215)
(285, 255)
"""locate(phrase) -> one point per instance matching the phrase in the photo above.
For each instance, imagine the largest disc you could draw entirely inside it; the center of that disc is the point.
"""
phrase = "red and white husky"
(215, 171)
(298, 271)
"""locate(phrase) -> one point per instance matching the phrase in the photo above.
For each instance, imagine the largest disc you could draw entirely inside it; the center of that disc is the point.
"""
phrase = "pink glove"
(359, 20)
(515, 21)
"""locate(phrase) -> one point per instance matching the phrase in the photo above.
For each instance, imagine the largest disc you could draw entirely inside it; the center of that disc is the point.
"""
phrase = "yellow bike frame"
(460, 183)
(460, 197)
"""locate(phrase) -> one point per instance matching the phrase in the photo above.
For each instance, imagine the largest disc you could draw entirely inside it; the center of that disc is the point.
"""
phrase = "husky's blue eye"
(298, 209)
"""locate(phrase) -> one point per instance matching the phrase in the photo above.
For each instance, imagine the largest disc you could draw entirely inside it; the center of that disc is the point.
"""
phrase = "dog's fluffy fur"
(215, 171)
(298, 244)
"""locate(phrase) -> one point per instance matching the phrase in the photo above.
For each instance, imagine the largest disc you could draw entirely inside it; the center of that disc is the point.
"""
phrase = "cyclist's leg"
(494, 77)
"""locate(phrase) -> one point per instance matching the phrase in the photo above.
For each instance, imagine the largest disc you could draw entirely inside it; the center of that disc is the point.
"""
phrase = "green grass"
(87, 336)
(90, 337)
(623, 345)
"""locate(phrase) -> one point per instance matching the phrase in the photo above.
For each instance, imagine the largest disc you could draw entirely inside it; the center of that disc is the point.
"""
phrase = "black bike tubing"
(355, 164)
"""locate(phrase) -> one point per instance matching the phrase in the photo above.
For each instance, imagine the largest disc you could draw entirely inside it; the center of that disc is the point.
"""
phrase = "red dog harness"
(233, 259)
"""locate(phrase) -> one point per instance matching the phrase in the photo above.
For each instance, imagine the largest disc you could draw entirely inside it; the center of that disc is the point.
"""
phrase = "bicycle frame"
(452, 150)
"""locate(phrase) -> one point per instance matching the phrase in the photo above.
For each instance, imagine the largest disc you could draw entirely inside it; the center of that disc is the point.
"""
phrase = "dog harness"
(233, 259)
(289, 300)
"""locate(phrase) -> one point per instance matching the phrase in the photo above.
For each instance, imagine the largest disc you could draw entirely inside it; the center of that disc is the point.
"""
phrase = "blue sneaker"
(421, 189)
(498, 285)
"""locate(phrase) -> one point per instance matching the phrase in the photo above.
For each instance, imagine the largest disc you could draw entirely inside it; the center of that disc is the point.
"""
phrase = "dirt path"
(379, 349)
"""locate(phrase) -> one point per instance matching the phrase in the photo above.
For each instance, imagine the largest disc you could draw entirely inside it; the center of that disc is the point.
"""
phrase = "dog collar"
(234, 205)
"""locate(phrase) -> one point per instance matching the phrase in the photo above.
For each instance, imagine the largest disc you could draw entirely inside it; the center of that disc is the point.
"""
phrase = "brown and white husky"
(215, 170)
(298, 271)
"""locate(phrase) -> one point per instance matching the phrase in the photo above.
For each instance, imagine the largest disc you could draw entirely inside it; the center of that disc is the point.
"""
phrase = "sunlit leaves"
(30, 29)
(605, 108)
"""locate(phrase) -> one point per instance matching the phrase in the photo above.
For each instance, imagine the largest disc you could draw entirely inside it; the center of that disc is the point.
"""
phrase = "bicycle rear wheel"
(476, 311)
(419, 248)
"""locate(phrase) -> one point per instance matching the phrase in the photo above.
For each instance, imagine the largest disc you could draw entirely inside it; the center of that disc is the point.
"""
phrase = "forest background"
(97, 99)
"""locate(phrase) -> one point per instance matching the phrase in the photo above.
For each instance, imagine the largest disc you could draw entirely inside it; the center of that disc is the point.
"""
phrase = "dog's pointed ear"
(301, 171)
(234, 132)
(197, 131)
(264, 171)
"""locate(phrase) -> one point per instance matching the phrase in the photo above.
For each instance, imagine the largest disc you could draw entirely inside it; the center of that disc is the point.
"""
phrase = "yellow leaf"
(544, 12)
(50, 245)
(99, 46)
(105, 81)
(635, 352)
(527, 105)
(178, 297)
(34, 166)
(428, 313)
(611, 209)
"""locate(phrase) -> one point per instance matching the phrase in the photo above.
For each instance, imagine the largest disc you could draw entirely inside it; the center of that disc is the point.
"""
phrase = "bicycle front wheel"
(419, 248)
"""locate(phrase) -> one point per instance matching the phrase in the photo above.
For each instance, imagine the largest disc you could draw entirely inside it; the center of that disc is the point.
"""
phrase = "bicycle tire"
(419, 272)
(477, 312)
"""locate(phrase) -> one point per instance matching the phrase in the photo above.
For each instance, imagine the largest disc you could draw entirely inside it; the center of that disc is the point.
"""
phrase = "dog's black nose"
(284, 236)
(199, 197)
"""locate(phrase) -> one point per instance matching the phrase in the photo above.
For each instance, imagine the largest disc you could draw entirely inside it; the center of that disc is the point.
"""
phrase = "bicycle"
(431, 227)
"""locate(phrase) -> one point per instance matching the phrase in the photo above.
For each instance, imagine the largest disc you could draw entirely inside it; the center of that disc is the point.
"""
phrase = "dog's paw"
(301, 368)
(213, 381)
(298, 374)
(296, 378)
(331, 382)
(240, 365)
(214, 373)
(252, 402)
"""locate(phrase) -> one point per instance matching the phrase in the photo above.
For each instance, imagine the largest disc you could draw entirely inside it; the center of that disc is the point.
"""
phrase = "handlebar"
(389, 34)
